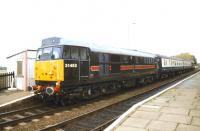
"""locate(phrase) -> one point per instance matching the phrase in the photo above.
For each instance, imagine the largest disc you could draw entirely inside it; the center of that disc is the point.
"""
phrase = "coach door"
(84, 63)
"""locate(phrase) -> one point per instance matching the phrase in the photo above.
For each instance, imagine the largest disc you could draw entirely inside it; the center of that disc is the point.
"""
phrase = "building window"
(19, 68)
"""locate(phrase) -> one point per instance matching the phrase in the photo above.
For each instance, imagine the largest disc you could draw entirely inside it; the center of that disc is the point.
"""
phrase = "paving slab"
(146, 115)
(197, 107)
(195, 113)
(149, 108)
(157, 103)
(176, 118)
(136, 122)
(178, 111)
(181, 104)
(196, 121)
(161, 125)
(197, 103)
(183, 127)
(127, 128)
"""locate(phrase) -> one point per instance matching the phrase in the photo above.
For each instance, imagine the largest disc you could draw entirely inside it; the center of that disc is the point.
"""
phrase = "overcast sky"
(166, 27)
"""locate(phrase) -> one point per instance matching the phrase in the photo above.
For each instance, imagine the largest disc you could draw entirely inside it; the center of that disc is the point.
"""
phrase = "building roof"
(19, 53)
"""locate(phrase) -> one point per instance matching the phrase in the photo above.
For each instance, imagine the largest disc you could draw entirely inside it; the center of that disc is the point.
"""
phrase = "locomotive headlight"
(58, 83)
(49, 90)
(57, 87)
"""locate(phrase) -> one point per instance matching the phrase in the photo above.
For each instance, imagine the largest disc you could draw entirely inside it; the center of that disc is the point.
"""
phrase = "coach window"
(74, 53)
(66, 52)
(83, 53)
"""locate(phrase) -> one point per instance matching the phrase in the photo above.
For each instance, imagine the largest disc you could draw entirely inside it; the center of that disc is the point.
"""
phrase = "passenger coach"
(172, 66)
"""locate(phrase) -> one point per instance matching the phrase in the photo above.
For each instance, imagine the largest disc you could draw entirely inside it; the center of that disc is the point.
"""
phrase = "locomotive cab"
(76, 64)
(58, 67)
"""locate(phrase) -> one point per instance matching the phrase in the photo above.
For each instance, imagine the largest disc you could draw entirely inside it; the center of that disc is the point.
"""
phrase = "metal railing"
(6, 80)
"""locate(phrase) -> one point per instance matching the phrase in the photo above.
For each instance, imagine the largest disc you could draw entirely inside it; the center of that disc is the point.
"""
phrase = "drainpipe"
(25, 73)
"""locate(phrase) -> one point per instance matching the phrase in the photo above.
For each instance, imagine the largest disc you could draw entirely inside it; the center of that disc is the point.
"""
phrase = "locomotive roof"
(95, 47)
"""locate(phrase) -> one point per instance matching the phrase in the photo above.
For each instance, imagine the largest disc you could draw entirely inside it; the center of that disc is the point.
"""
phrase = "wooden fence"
(6, 80)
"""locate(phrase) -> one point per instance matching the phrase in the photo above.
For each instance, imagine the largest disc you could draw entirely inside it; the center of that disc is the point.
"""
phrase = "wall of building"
(24, 74)
(30, 68)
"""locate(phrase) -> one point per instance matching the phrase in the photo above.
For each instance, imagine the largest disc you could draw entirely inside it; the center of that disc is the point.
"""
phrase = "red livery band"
(125, 67)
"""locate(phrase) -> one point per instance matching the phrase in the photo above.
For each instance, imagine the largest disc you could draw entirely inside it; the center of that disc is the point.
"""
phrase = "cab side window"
(83, 53)
(74, 53)
(66, 52)
(39, 53)
(56, 52)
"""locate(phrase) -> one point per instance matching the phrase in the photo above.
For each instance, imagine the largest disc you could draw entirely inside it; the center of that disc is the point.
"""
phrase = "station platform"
(12, 96)
(176, 108)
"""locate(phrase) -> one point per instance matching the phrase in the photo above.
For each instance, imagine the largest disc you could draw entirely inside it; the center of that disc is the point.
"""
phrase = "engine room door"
(104, 64)
(84, 64)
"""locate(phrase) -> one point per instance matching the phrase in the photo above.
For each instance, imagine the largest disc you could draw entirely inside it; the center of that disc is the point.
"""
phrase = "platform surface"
(11, 96)
(177, 109)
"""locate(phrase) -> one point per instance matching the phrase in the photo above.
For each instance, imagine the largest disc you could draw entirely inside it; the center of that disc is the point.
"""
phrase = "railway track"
(14, 117)
(25, 114)
(88, 115)
(4, 114)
